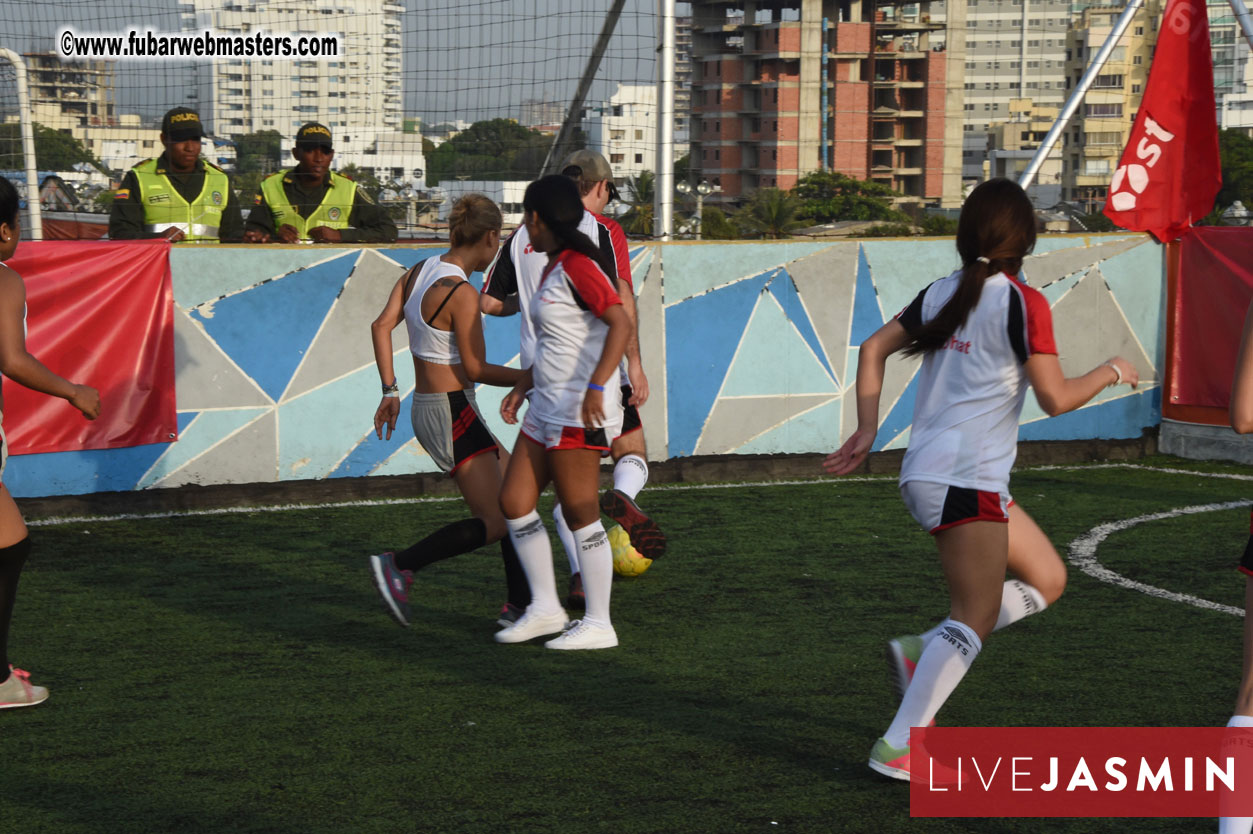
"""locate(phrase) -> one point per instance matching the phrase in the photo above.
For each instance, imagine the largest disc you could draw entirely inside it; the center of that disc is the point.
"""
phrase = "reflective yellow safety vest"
(165, 207)
(332, 212)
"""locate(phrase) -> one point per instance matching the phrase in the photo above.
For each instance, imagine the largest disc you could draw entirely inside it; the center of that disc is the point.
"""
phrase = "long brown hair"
(557, 202)
(997, 225)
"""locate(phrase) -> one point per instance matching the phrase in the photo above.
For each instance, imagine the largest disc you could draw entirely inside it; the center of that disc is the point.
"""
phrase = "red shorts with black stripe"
(938, 507)
(1246, 563)
(630, 414)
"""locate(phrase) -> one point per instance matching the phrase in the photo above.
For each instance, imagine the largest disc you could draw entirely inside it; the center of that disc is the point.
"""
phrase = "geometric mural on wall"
(765, 362)
(750, 348)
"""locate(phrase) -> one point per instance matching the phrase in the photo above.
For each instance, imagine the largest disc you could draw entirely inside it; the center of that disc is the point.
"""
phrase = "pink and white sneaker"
(18, 691)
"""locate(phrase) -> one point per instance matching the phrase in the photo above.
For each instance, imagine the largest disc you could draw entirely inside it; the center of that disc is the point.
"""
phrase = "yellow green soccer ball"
(626, 559)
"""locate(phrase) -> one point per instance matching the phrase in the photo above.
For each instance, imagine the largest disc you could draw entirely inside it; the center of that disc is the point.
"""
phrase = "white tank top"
(427, 342)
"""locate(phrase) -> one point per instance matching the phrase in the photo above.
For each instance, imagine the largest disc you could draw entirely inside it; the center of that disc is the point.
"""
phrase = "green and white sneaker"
(891, 761)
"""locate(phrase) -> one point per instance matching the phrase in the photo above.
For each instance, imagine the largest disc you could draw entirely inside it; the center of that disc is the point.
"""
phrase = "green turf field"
(237, 673)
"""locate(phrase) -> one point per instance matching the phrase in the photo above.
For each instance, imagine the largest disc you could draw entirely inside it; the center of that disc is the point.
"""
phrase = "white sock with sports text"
(630, 474)
(567, 539)
(535, 553)
(1237, 825)
(943, 664)
(1018, 600)
(596, 560)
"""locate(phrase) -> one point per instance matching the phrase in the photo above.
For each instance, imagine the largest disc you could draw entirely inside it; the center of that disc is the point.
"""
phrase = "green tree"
(1236, 153)
(497, 149)
(769, 213)
(888, 230)
(714, 225)
(937, 225)
(641, 193)
(260, 152)
(826, 196)
(1096, 222)
(54, 150)
(370, 184)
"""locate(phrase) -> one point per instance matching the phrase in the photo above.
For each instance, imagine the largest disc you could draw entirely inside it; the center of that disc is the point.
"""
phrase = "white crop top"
(427, 342)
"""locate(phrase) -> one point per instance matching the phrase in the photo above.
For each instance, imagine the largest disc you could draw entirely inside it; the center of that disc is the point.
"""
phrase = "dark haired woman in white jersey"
(440, 309)
(574, 415)
(984, 337)
(16, 690)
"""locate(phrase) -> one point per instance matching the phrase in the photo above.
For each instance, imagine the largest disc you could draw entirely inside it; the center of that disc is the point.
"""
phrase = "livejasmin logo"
(1135, 175)
(1023, 775)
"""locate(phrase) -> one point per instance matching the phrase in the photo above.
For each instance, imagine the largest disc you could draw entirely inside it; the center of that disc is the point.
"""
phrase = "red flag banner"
(100, 314)
(1169, 174)
(1081, 772)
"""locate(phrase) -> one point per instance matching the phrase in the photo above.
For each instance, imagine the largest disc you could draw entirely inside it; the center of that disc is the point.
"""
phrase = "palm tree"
(770, 213)
(641, 190)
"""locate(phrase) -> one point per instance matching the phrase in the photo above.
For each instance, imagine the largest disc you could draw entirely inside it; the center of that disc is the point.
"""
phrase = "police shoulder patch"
(257, 200)
(122, 194)
(365, 195)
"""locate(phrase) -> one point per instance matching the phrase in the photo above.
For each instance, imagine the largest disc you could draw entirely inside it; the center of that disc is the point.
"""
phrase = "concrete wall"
(750, 348)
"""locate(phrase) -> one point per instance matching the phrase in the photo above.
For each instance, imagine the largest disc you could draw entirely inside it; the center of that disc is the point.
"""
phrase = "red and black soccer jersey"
(971, 390)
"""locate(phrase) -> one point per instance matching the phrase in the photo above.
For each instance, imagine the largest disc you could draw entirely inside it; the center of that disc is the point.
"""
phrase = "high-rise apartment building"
(1015, 49)
(1096, 135)
(869, 89)
(1232, 69)
(355, 93)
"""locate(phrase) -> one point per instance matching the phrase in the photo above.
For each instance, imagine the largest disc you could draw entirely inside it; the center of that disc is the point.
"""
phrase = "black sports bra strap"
(431, 320)
(410, 277)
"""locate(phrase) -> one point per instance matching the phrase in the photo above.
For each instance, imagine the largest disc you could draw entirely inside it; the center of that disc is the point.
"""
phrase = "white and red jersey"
(971, 391)
(573, 294)
(519, 268)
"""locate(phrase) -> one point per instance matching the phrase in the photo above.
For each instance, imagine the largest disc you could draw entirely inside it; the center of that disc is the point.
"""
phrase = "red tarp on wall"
(99, 314)
(1214, 289)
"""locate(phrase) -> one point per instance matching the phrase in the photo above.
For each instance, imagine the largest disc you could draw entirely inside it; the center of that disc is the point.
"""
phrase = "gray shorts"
(450, 428)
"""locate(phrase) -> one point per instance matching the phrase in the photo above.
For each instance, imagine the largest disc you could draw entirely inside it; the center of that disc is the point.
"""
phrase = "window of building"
(1139, 30)
(617, 135)
(717, 155)
(1104, 110)
(1137, 60)
(1135, 88)
(615, 158)
(639, 134)
(1108, 81)
(639, 158)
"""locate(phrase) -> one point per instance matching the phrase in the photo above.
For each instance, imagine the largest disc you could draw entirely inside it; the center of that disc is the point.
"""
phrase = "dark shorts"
(1246, 563)
(630, 414)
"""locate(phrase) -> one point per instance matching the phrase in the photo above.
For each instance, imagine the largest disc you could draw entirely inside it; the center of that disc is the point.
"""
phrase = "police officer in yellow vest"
(313, 203)
(177, 196)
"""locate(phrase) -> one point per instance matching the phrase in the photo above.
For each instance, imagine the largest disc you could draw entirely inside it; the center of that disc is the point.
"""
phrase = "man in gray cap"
(177, 196)
(313, 203)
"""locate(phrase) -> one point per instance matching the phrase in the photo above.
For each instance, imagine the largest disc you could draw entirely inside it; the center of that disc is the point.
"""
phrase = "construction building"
(874, 90)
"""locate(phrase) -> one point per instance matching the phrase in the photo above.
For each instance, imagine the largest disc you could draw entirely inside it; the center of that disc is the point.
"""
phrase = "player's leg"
(630, 474)
(517, 589)
(574, 596)
(576, 475)
(1244, 699)
(525, 478)
(974, 556)
(1039, 579)
(15, 687)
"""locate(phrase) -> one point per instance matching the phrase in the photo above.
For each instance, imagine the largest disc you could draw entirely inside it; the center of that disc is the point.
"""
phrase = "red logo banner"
(1081, 772)
(1168, 175)
(99, 314)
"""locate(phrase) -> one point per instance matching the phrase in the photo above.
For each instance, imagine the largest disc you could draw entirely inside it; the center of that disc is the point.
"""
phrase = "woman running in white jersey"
(574, 415)
(1241, 411)
(984, 337)
(446, 340)
(16, 690)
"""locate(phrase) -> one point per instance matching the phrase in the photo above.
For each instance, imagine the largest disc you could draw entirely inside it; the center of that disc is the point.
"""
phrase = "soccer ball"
(626, 559)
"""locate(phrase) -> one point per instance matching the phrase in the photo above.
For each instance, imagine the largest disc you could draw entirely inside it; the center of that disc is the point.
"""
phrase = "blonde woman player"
(440, 308)
(16, 690)
(984, 337)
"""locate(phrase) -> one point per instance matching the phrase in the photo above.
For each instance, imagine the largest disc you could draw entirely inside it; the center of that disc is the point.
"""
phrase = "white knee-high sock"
(567, 538)
(1237, 825)
(535, 553)
(596, 561)
(630, 474)
(1018, 600)
(943, 664)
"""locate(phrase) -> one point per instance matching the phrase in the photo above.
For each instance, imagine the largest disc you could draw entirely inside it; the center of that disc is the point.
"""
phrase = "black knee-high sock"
(446, 542)
(515, 577)
(12, 558)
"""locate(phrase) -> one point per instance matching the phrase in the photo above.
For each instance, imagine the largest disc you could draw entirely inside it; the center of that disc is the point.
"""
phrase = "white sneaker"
(584, 635)
(532, 625)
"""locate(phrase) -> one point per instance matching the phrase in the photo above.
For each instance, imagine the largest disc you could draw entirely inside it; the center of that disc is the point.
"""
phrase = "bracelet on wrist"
(392, 390)
(592, 386)
(1117, 373)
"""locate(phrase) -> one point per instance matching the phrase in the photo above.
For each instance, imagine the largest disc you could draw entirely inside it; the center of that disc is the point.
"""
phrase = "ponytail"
(557, 202)
(995, 232)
